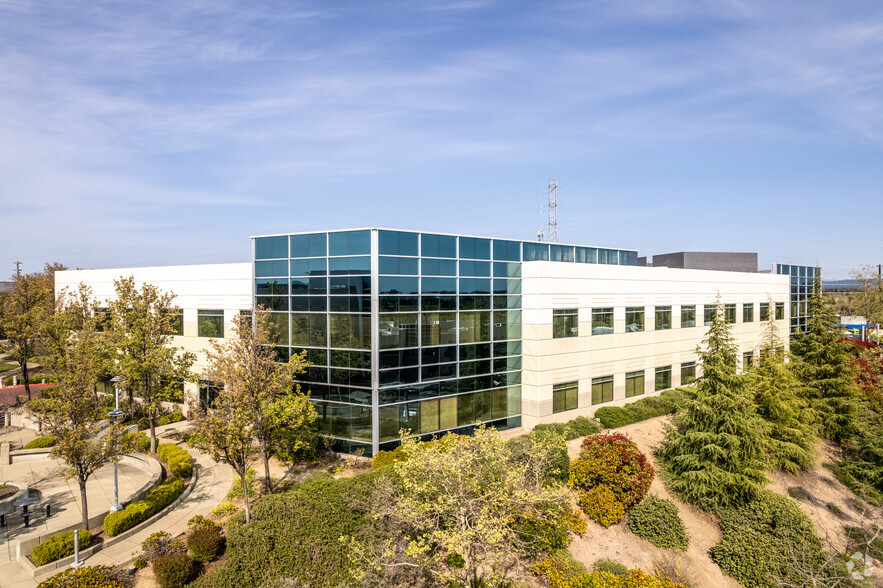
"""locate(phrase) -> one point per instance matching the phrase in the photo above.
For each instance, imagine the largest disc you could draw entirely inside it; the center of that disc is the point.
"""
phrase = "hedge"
(59, 546)
(41, 442)
(85, 577)
(180, 462)
(138, 512)
(173, 417)
(137, 441)
(572, 429)
(562, 571)
(667, 402)
(657, 520)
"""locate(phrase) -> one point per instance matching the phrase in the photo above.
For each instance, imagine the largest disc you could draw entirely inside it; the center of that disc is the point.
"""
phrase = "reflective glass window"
(507, 250)
(308, 245)
(309, 330)
(439, 328)
(764, 311)
(473, 248)
(210, 323)
(780, 311)
(475, 302)
(748, 312)
(504, 269)
(272, 302)
(623, 258)
(536, 251)
(399, 265)
(475, 268)
(271, 248)
(308, 267)
(634, 319)
(730, 313)
(564, 323)
(476, 285)
(663, 318)
(507, 325)
(349, 265)
(438, 267)
(271, 287)
(318, 285)
(397, 243)
(663, 378)
(398, 330)
(399, 285)
(688, 316)
(688, 372)
(475, 326)
(266, 269)
(710, 313)
(602, 321)
(565, 396)
(438, 285)
(349, 243)
(602, 389)
(561, 253)
(634, 384)
(438, 245)
(586, 255)
(351, 331)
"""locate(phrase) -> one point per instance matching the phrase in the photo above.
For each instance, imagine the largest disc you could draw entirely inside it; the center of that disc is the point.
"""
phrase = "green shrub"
(611, 567)
(138, 512)
(578, 427)
(84, 577)
(59, 546)
(179, 460)
(610, 476)
(160, 543)
(657, 520)
(553, 446)
(667, 402)
(172, 417)
(385, 458)
(224, 508)
(143, 423)
(860, 478)
(173, 570)
(137, 441)
(763, 540)
(200, 522)
(562, 571)
(42, 442)
(204, 543)
(296, 534)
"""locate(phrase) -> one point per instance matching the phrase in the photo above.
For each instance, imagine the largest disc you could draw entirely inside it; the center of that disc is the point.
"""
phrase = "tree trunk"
(244, 483)
(152, 420)
(268, 483)
(83, 501)
(24, 374)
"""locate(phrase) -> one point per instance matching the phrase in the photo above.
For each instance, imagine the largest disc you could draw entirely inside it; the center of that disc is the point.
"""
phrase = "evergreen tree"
(825, 373)
(713, 454)
(789, 437)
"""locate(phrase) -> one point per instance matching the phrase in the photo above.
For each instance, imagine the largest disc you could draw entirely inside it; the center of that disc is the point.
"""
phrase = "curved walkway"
(212, 485)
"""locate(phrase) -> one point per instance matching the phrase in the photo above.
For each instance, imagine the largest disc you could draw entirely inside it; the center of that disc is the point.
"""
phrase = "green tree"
(256, 402)
(71, 410)
(869, 300)
(23, 313)
(822, 365)
(713, 452)
(789, 438)
(456, 503)
(141, 326)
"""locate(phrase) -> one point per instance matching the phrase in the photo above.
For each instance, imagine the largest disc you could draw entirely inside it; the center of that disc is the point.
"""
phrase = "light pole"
(115, 414)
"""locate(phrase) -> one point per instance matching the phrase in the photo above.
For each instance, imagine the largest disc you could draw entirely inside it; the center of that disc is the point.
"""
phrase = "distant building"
(724, 261)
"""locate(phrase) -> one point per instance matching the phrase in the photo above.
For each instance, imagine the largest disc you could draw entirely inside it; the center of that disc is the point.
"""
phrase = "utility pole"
(17, 270)
(553, 211)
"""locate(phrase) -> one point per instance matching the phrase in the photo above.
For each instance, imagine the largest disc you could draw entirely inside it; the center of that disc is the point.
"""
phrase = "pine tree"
(713, 454)
(823, 368)
(789, 437)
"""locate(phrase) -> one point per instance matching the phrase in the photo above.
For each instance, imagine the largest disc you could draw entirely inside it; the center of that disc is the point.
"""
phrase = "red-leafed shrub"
(611, 475)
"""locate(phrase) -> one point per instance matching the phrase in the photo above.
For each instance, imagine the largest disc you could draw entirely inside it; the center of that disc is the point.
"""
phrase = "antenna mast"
(553, 211)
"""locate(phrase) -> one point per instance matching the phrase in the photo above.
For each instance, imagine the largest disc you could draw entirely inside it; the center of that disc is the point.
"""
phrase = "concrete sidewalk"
(213, 483)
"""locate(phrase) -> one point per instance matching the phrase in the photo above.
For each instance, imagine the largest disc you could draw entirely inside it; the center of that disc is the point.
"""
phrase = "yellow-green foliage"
(41, 442)
(180, 462)
(138, 512)
(600, 505)
(137, 441)
(563, 572)
(385, 458)
(59, 546)
(85, 577)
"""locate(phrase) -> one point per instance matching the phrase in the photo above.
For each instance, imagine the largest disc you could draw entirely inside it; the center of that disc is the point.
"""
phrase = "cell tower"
(553, 211)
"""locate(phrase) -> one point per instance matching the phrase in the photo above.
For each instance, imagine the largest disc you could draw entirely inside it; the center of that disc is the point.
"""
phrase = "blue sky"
(145, 133)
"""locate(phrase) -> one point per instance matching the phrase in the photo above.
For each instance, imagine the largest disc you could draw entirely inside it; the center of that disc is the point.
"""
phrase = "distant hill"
(847, 284)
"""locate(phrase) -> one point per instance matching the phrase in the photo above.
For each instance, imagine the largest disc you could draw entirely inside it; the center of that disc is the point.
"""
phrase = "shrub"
(84, 577)
(858, 477)
(545, 442)
(172, 417)
(180, 462)
(204, 543)
(385, 458)
(564, 572)
(657, 520)
(578, 427)
(136, 442)
(610, 471)
(138, 512)
(143, 423)
(611, 567)
(173, 570)
(59, 546)
(160, 543)
(667, 402)
(224, 508)
(550, 528)
(200, 522)
(41, 442)
(764, 540)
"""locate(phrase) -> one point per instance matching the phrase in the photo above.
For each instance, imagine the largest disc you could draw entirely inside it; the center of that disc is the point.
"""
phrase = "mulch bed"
(7, 491)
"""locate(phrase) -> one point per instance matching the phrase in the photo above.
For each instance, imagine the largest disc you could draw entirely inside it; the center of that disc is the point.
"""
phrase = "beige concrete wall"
(548, 361)
(223, 286)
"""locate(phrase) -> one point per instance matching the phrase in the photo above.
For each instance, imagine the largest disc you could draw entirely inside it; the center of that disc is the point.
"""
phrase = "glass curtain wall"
(801, 277)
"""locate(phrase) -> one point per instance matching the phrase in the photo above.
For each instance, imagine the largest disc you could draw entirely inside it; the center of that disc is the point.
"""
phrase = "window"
(602, 321)
(602, 389)
(564, 396)
(564, 323)
(764, 311)
(208, 392)
(211, 323)
(663, 378)
(780, 311)
(634, 384)
(710, 312)
(748, 312)
(663, 318)
(177, 321)
(747, 359)
(688, 316)
(688, 372)
(730, 313)
(634, 319)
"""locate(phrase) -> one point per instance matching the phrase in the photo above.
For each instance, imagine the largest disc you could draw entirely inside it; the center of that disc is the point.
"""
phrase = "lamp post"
(115, 414)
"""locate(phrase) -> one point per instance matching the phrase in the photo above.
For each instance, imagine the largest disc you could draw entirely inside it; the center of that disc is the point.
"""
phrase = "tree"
(789, 438)
(869, 300)
(257, 401)
(822, 364)
(23, 312)
(452, 508)
(713, 452)
(71, 410)
(142, 323)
